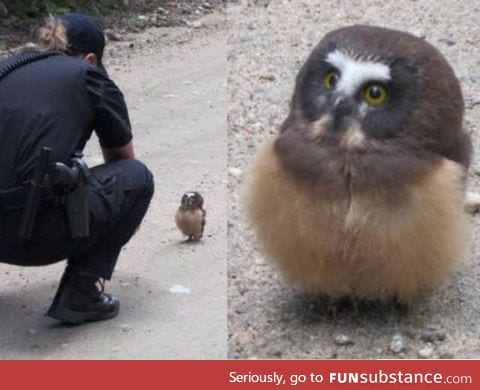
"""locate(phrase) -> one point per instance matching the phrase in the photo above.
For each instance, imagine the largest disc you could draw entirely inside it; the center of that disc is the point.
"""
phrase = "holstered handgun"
(74, 179)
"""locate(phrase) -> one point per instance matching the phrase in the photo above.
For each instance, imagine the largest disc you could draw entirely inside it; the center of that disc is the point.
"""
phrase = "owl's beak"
(343, 120)
(346, 122)
(345, 111)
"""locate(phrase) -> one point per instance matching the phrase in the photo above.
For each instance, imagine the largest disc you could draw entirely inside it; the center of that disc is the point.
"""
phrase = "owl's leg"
(332, 310)
(333, 307)
(355, 306)
(401, 306)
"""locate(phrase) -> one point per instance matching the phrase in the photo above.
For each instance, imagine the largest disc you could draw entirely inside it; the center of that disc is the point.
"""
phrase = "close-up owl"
(361, 192)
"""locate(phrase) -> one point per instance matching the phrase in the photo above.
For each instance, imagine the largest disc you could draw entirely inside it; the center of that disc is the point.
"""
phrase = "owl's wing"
(461, 149)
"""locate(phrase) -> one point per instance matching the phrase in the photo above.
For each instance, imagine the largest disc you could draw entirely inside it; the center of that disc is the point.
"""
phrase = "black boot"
(79, 300)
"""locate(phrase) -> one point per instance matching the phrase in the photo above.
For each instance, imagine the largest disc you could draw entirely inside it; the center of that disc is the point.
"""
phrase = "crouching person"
(52, 99)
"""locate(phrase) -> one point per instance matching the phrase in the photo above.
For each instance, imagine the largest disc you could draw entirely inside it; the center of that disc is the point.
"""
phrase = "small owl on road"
(190, 216)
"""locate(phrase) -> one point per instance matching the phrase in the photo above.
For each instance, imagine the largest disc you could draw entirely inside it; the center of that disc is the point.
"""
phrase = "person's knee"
(149, 187)
(141, 177)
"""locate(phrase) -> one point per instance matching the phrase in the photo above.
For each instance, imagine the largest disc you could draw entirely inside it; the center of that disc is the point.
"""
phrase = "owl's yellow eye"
(375, 94)
(330, 79)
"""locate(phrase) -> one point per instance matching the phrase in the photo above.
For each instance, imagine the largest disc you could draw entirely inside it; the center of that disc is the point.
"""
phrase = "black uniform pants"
(119, 195)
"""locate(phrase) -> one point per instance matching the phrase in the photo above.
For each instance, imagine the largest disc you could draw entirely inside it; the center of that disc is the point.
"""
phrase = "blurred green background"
(39, 8)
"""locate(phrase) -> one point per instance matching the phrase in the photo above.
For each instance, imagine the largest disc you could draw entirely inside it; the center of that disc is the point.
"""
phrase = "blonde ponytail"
(53, 36)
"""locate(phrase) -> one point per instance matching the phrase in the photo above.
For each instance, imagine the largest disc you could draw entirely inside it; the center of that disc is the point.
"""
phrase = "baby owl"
(360, 194)
(190, 216)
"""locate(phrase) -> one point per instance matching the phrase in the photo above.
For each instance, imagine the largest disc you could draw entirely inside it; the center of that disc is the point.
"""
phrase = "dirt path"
(173, 295)
(268, 42)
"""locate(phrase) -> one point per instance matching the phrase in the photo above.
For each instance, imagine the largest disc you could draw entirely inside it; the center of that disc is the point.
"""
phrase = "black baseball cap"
(84, 35)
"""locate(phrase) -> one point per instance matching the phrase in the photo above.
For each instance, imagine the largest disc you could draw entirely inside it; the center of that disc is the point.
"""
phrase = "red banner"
(240, 374)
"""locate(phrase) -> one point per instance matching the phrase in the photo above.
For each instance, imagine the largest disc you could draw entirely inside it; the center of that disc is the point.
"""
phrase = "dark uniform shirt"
(56, 102)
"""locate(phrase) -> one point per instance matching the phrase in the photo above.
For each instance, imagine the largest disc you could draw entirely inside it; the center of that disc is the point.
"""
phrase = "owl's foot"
(193, 239)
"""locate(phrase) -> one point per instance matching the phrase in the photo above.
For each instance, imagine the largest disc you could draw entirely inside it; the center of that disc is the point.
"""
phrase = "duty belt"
(15, 198)
(12, 199)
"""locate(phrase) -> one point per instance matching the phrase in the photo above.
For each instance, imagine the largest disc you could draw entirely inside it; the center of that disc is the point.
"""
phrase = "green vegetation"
(133, 22)
(39, 8)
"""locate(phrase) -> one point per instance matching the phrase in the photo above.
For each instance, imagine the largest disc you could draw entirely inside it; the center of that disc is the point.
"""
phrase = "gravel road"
(173, 295)
(268, 42)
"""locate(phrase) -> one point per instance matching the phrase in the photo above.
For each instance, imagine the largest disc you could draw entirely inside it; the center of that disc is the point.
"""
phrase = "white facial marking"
(354, 73)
